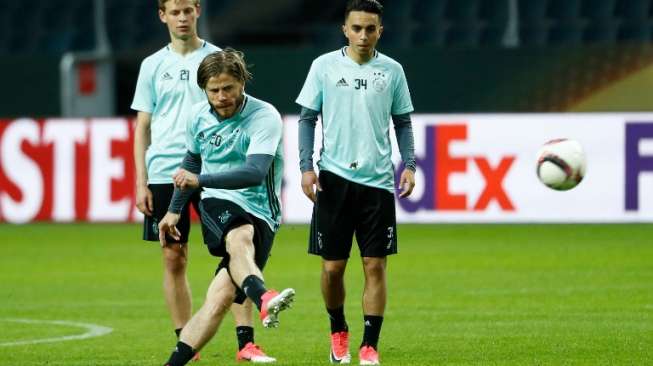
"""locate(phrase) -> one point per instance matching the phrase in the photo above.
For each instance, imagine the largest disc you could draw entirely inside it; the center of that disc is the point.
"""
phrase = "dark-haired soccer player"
(357, 90)
(165, 93)
(235, 156)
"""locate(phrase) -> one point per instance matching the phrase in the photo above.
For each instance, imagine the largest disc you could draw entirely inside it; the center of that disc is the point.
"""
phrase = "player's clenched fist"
(185, 179)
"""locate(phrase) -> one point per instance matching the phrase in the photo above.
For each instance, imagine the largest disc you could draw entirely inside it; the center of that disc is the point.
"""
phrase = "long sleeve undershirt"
(307, 121)
(252, 173)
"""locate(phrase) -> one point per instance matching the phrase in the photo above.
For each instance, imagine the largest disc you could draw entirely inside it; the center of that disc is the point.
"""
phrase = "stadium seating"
(57, 27)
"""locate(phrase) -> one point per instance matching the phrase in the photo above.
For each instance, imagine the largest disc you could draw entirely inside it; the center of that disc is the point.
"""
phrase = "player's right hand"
(310, 185)
(168, 225)
(144, 200)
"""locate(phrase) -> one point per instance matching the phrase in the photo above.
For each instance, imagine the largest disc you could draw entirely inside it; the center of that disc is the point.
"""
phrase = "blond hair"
(227, 61)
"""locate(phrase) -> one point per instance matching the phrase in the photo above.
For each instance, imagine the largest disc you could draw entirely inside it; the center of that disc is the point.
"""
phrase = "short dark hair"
(227, 61)
(368, 6)
(162, 4)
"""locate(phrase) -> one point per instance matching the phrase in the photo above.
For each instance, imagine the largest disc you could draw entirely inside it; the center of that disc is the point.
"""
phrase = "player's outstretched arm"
(252, 173)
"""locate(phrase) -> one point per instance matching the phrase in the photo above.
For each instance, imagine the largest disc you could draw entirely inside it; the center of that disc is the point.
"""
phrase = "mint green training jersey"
(167, 89)
(224, 145)
(357, 102)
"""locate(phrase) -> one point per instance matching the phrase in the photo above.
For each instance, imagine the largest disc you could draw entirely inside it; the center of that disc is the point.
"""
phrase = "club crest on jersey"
(224, 217)
(380, 82)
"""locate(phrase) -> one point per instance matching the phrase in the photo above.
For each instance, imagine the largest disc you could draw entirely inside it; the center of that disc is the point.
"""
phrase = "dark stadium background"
(459, 55)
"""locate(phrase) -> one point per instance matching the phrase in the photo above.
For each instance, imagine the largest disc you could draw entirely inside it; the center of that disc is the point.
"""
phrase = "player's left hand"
(185, 179)
(406, 183)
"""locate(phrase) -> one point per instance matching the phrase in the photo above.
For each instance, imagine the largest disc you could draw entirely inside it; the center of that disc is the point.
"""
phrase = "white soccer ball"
(561, 164)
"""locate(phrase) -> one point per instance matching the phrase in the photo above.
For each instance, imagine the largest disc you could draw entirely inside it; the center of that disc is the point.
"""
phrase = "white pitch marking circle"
(93, 330)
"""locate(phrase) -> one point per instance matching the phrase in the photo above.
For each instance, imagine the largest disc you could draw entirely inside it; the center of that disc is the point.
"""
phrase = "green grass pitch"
(458, 295)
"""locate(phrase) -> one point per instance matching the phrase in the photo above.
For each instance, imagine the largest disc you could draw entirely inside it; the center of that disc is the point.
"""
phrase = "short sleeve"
(311, 94)
(144, 97)
(401, 103)
(265, 135)
(192, 143)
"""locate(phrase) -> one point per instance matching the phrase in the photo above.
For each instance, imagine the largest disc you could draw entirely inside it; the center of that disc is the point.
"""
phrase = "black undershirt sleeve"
(307, 122)
(404, 134)
(192, 163)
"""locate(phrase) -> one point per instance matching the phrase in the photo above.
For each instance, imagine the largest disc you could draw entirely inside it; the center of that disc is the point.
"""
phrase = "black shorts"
(344, 208)
(161, 196)
(218, 218)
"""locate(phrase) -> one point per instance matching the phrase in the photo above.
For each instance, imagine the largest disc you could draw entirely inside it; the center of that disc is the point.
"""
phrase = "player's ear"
(344, 29)
(162, 16)
(198, 9)
(380, 30)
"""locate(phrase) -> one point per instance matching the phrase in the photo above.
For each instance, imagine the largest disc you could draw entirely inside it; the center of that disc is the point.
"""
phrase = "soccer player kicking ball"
(165, 92)
(357, 90)
(235, 156)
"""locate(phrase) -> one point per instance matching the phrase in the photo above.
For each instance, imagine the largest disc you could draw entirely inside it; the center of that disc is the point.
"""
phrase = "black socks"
(337, 317)
(372, 330)
(181, 355)
(245, 335)
(254, 288)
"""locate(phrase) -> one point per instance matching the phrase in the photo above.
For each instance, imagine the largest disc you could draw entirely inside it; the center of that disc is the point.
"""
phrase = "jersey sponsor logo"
(184, 74)
(166, 76)
(342, 83)
(380, 82)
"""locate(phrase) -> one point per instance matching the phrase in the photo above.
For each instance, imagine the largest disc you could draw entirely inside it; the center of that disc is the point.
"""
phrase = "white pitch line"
(93, 330)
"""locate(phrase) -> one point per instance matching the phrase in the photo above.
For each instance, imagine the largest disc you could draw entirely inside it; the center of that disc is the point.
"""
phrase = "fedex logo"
(438, 164)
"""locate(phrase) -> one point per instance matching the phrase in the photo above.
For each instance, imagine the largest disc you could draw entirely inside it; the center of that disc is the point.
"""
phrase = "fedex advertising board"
(482, 168)
(470, 168)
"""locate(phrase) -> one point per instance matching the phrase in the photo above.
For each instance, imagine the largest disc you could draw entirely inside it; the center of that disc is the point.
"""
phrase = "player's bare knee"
(334, 270)
(219, 304)
(239, 241)
(175, 259)
(374, 267)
